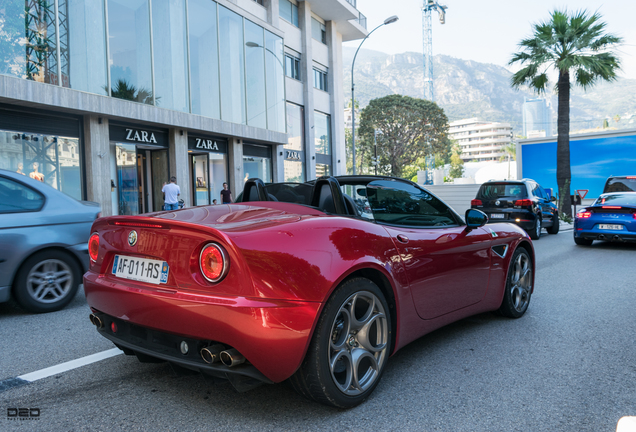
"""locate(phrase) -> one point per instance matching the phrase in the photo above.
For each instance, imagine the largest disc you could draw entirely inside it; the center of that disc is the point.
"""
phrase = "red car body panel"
(285, 261)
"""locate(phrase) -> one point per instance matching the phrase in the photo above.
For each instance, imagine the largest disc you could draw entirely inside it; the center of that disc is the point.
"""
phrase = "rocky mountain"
(466, 88)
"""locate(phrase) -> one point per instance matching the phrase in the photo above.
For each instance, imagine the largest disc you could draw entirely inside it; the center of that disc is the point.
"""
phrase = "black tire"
(333, 343)
(583, 241)
(47, 281)
(554, 229)
(535, 232)
(518, 285)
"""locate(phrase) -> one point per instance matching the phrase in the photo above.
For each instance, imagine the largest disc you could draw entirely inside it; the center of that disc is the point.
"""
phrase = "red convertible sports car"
(316, 282)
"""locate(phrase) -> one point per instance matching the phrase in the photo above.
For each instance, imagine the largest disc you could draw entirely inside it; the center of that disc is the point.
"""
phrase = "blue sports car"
(612, 217)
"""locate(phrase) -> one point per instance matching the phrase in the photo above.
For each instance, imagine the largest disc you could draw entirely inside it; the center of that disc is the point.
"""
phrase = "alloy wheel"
(521, 282)
(358, 347)
(49, 281)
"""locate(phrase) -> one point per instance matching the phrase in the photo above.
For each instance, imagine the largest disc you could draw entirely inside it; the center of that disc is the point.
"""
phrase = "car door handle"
(402, 238)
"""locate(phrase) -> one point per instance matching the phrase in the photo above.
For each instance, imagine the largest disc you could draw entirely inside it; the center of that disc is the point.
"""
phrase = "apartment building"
(109, 98)
(480, 140)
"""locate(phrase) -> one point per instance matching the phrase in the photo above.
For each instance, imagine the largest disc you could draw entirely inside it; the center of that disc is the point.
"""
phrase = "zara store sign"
(216, 145)
(140, 136)
(131, 134)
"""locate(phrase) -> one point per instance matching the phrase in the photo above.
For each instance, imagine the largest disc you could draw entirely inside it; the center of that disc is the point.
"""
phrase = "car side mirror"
(553, 199)
(475, 218)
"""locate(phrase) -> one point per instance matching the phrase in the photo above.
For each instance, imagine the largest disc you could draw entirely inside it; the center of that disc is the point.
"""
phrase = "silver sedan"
(43, 243)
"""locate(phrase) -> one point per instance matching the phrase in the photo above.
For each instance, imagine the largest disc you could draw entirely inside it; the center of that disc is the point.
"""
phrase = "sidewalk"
(564, 226)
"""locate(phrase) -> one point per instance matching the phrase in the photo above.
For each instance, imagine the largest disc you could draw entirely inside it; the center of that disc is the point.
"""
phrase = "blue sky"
(487, 32)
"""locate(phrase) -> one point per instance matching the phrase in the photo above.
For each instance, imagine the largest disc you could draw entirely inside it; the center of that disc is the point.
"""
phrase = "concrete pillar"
(97, 170)
(336, 91)
(278, 162)
(307, 76)
(179, 167)
(273, 12)
(235, 174)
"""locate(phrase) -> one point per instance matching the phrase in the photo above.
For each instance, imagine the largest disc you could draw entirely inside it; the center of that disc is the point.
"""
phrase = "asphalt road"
(568, 365)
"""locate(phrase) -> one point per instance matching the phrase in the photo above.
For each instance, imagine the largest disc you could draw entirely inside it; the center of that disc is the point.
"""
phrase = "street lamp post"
(389, 20)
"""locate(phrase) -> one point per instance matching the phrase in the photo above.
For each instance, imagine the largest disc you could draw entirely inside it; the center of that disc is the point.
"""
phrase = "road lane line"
(70, 365)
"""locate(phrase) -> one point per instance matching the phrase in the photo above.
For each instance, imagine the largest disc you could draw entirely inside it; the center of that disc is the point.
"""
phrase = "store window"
(288, 11)
(54, 160)
(294, 163)
(318, 31)
(209, 163)
(257, 162)
(129, 38)
(322, 137)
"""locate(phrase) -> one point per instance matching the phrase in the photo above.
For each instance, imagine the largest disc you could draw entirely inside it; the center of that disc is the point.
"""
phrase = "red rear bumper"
(272, 334)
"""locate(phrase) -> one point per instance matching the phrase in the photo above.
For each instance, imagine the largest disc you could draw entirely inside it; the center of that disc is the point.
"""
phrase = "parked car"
(295, 282)
(521, 202)
(612, 217)
(620, 184)
(43, 243)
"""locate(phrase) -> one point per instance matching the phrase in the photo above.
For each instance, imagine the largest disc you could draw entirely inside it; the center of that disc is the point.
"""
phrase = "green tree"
(580, 50)
(456, 162)
(409, 129)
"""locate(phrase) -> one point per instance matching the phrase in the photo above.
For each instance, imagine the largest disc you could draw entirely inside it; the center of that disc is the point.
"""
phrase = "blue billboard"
(592, 161)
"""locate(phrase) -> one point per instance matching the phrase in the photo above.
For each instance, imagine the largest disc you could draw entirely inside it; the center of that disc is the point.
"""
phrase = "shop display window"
(53, 160)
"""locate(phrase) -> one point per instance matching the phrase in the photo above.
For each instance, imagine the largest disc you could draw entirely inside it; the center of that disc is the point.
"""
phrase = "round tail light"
(213, 262)
(93, 246)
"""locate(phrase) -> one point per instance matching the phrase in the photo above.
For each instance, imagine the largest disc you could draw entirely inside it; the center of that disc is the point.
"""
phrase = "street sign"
(582, 192)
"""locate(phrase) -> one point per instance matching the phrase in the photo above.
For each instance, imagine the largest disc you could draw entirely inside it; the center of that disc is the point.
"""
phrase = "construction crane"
(428, 6)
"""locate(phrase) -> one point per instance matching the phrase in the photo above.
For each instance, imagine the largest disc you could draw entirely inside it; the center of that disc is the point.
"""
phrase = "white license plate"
(141, 269)
(610, 227)
(497, 216)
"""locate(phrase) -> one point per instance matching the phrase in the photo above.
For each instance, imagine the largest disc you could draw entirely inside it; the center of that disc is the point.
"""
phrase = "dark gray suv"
(43, 243)
(521, 202)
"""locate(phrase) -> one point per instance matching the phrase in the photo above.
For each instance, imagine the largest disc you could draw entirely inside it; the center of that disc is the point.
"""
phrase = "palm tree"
(574, 45)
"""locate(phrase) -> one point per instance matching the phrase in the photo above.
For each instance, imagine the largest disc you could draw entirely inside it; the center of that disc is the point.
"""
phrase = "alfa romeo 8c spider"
(318, 283)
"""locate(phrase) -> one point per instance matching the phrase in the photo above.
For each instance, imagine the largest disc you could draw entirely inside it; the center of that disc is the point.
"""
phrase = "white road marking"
(70, 365)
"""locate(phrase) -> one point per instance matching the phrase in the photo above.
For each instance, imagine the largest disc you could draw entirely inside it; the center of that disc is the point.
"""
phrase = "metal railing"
(362, 20)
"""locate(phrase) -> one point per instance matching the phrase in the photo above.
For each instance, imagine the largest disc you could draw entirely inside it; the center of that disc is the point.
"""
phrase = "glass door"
(201, 179)
(127, 179)
(158, 177)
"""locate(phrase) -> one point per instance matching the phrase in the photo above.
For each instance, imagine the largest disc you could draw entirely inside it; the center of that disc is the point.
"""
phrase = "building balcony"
(351, 24)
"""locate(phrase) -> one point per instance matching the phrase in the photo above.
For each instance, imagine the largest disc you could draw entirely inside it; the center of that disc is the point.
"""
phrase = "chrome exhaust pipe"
(232, 358)
(602, 237)
(212, 353)
(96, 321)
(617, 238)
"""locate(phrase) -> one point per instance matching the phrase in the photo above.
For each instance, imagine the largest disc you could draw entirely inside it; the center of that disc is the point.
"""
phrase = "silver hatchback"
(43, 243)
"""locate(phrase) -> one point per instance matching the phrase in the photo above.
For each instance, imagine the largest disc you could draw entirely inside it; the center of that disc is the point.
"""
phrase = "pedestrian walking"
(171, 193)
(226, 195)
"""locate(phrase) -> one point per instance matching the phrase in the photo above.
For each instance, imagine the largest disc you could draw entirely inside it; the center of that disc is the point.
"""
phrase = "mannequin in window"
(20, 167)
(35, 175)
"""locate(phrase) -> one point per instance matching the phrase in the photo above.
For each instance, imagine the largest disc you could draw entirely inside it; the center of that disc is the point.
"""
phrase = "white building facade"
(480, 141)
(109, 98)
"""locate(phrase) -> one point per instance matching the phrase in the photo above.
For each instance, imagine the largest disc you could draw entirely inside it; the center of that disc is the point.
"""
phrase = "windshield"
(497, 190)
(626, 199)
(620, 184)
(297, 193)
(398, 203)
